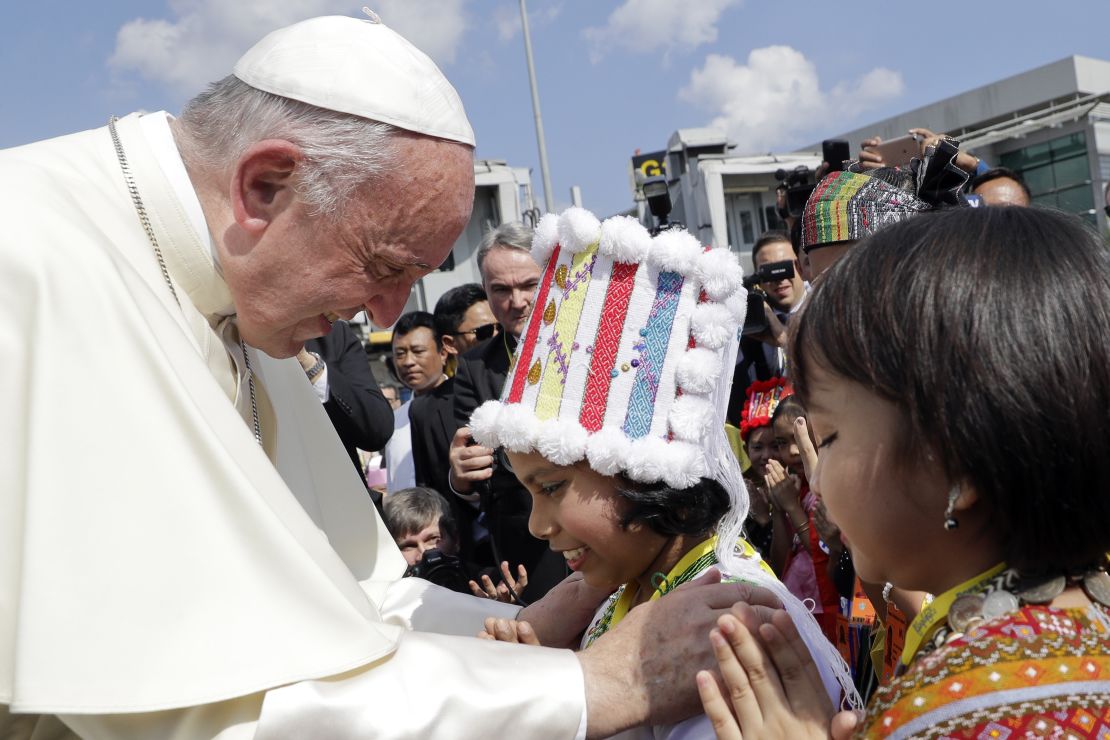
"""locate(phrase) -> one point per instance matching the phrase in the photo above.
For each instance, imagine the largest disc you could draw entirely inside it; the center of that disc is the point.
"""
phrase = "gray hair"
(342, 152)
(507, 236)
(409, 510)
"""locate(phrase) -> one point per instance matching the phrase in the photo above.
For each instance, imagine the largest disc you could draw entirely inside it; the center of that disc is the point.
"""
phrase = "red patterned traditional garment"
(1038, 672)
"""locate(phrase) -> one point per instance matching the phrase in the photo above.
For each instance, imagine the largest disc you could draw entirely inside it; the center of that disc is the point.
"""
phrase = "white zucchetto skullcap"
(360, 67)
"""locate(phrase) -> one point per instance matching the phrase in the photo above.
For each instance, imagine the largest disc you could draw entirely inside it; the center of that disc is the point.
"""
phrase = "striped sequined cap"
(848, 206)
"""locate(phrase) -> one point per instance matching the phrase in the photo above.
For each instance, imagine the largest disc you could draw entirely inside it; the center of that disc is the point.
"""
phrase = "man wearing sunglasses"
(463, 320)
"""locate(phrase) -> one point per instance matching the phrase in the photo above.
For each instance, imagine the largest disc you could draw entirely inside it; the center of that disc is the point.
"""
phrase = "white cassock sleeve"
(432, 686)
(447, 685)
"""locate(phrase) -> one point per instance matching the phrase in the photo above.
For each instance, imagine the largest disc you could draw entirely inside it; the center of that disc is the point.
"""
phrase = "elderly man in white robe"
(203, 561)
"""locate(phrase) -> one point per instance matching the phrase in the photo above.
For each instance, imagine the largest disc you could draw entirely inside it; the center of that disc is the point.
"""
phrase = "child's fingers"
(757, 666)
(504, 630)
(716, 708)
(740, 692)
(805, 446)
(476, 590)
(800, 681)
(526, 634)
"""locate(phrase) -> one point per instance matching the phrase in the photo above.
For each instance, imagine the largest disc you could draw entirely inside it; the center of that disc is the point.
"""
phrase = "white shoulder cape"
(152, 556)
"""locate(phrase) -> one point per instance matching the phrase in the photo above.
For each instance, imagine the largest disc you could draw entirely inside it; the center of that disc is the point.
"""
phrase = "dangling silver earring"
(950, 520)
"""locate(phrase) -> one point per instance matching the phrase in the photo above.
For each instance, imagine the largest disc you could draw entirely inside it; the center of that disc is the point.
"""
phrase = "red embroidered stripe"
(606, 344)
(524, 352)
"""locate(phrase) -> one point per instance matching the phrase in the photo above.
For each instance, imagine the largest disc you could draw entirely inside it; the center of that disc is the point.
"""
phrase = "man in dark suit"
(509, 276)
(461, 317)
(339, 371)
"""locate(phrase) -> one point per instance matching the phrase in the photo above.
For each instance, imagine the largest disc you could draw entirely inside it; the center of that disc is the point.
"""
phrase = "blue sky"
(614, 76)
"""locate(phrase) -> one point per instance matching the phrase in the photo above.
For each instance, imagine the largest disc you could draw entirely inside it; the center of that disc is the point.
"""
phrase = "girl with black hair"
(960, 398)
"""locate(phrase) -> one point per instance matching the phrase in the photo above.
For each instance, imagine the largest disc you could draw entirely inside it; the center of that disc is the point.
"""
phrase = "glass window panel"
(1048, 200)
(1076, 200)
(1071, 171)
(1069, 145)
(747, 227)
(1039, 179)
(1031, 156)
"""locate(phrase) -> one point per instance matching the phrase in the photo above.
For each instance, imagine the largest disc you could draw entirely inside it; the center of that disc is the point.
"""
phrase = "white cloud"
(205, 37)
(653, 25)
(507, 19)
(776, 99)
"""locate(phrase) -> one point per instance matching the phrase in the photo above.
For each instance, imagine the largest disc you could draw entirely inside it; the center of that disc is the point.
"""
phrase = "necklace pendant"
(965, 611)
(999, 604)
(1042, 591)
(1097, 586)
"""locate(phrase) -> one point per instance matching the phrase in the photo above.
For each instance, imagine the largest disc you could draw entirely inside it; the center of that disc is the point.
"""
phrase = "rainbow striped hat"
(848, 206)
(627, 358)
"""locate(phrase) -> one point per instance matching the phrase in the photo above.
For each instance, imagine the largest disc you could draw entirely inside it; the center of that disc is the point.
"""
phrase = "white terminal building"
(1050, 124)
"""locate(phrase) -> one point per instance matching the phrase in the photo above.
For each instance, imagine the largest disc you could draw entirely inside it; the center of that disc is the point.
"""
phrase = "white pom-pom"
(689, 417)
(685, 465)
(483, 424)
(561, 441)
(675, 251)
(737, 305)
(517, 428)
(624, 239)
(712, 325)
(698, 370)
(720, 273)
(608, 450)
(545, 238)
(578, 229)
(647, 460)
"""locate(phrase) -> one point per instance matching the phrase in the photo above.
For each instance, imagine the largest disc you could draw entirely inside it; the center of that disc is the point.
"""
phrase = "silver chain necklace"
(133, 189)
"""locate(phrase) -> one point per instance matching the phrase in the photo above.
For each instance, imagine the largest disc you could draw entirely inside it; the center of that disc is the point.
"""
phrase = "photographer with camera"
(775, 290)
(427, 535)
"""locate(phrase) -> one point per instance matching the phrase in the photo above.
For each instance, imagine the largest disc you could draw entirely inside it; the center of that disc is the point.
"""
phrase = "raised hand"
(502, 591)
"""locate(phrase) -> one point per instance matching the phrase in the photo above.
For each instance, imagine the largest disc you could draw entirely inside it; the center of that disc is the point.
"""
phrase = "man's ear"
(449, 345)
(262, 183)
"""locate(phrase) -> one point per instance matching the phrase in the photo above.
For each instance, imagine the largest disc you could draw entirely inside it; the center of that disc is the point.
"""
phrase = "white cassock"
(161, 577)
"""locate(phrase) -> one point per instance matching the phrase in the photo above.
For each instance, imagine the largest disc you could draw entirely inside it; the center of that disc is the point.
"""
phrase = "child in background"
(613, 418)
(424, 529)
(761, 399)
(808, 569)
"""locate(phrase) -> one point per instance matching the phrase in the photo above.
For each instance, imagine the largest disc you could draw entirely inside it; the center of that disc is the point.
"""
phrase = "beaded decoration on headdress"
(760, 400)
(624, 359)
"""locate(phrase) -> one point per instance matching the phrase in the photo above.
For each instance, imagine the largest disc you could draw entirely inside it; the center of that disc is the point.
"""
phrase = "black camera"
(658, 196)
(772, 272)
(798, 185)
(443, 570)
(755, 320)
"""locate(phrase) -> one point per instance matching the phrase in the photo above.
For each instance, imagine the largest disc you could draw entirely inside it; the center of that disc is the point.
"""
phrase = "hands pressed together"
(772, 688)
